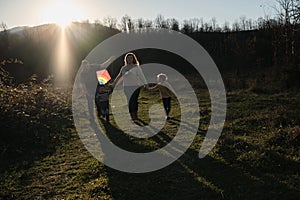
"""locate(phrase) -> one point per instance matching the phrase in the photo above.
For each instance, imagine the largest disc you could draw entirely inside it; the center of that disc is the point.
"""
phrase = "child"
(102, 100)
(164, 89)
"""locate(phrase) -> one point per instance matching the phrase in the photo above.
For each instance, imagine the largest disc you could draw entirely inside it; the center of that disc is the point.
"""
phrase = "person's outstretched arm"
(105, 64)
(108, 62)
(118, 78)
(141, 77)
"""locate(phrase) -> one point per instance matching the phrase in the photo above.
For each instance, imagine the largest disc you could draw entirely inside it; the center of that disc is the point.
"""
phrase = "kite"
(103, 76)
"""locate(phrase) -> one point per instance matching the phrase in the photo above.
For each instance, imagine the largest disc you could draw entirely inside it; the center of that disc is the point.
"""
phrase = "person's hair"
(162, 77)
(135, 60)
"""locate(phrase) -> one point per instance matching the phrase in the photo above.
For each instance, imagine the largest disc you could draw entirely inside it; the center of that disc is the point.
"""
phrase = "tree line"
(248, 52)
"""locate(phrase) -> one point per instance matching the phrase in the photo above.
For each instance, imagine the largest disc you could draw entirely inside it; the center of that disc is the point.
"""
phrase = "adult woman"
(133, 78)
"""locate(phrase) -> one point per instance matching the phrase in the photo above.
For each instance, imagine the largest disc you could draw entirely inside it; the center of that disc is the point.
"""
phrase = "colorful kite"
(103, 76)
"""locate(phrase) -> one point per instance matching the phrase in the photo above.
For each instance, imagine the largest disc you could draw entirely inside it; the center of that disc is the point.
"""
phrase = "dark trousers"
(167, 104)
(133, 100)
(102, 107)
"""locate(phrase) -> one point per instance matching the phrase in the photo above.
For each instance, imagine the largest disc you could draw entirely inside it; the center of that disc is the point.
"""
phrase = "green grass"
(257, 156)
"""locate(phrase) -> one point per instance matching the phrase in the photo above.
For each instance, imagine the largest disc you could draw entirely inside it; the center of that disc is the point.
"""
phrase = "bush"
(32, 119)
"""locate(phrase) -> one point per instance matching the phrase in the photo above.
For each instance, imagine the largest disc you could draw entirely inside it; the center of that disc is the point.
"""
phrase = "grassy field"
(257, 156)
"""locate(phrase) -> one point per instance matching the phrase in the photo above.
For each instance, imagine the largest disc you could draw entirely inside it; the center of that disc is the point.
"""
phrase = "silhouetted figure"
(165, 93)
(102, 100)
(88, 80)
(133, 78)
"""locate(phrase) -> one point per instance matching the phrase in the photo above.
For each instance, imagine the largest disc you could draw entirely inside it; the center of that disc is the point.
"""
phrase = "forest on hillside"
(249, 53)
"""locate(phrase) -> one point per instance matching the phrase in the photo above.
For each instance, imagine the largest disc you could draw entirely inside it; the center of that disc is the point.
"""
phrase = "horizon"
(45, 12)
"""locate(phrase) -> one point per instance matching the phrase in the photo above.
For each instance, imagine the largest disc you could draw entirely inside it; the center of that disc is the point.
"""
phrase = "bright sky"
(33, 12)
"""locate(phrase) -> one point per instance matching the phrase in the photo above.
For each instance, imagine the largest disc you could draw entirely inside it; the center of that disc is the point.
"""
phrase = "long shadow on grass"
(191, 178)
(172, 182)
(22, 145)
(268, 167)
(235, 182)
(140, 145)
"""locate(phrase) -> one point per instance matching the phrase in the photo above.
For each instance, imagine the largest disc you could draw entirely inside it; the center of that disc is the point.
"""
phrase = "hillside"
(253, 59)
(38, 47)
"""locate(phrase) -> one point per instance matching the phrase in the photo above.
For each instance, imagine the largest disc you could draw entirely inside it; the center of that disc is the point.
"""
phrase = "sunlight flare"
(61, 13)
(62, 58)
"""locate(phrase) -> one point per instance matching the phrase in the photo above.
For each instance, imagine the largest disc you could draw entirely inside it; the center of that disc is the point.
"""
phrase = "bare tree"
(191, 25)
(243, 23)
(148, 23)
(168, 23)
(288, 12)
(110, 22)
(173, 24)
(195, 24)
(187, 26)
(126, 23)
(249, 24)
(207, 27)
(236, 26)
(201, 29)
(4, 42)
(140, 23)
(160, 22)
(226, 27)
(3, 26)
(214, 23)
(97, 22)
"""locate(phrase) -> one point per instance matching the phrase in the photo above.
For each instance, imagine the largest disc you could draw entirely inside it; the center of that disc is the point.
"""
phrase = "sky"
(34, 12)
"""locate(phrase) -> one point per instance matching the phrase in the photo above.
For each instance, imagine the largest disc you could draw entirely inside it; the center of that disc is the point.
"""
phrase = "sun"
(61, 13)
